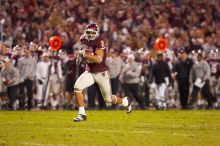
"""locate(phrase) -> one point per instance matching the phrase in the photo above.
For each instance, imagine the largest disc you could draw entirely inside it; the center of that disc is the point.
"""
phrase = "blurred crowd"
(33, 76)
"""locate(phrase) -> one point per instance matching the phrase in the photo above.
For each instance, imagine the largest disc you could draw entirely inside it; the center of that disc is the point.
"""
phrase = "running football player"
(94, 53)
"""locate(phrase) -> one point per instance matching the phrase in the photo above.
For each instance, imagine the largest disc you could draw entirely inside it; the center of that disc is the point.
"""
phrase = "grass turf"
(110, 128)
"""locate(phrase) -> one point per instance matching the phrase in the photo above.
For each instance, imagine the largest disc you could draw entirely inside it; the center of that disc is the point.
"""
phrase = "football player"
(94, 53)
(214, 62)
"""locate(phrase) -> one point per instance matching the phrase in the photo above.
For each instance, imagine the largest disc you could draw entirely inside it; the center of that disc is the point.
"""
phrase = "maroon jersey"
(91, 46)
(215, 66)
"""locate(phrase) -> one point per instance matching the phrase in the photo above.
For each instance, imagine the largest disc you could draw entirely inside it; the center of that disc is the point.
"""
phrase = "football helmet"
(92, 31)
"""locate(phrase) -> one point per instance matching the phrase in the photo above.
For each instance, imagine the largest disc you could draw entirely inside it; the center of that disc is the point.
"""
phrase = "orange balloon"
(55, 43)
(161, 44)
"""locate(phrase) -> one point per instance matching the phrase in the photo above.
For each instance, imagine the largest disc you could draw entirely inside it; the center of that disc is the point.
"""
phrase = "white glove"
(78, 60)
(81, 53)
(79, 57)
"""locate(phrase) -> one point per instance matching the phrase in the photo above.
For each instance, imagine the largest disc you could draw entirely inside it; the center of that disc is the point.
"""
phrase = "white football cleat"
(129, 107)
(79, 118)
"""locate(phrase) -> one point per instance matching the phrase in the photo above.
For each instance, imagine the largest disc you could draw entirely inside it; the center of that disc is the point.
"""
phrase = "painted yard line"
(130, 123)
(133, 132)
(32, 144)
(17, 122)
(165, 124)
(39, 144)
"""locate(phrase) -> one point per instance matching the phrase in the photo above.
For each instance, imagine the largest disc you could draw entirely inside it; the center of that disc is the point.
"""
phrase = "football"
(89, 52)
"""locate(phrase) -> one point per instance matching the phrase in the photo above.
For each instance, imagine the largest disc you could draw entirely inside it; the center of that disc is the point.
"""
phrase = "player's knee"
(109, 100)
(77, 90)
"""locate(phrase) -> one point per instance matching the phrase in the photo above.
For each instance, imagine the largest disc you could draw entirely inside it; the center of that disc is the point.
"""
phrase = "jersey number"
(214, 68)
(103, 44)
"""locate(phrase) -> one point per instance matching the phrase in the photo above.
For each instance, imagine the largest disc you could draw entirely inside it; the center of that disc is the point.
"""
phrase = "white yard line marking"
(135, 123)
(170, 125)
(39, 144)
(34, 144)
(133, 132)
(17, 122)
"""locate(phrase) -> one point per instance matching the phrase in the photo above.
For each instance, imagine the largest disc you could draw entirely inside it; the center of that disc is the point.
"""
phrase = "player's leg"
(103, 81)
(84, 81)
(134, 90)
(162, 91)
(125, 102)
(39, 94)
(193, 97)
(218, 92)
(158, 103)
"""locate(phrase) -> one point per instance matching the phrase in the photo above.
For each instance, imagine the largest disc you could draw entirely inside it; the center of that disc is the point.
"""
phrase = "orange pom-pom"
(161, 44)
(55, 43)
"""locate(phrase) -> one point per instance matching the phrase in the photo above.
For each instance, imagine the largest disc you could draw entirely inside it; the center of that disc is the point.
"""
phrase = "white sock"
(125, 102)
(82, 111)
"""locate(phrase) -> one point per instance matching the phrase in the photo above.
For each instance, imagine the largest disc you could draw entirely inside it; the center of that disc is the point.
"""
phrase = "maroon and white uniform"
(95, 72)
(91, 46)
(215, 65)
(214, 62)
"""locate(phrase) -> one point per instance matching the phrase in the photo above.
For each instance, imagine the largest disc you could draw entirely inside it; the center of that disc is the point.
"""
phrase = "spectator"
(130, 77)
(115, 65)
(27, 68)
(147, 65)
(3, 89)
(55, 77)
(42, 77)
(71, 71)
(199, 76)
(11, 78)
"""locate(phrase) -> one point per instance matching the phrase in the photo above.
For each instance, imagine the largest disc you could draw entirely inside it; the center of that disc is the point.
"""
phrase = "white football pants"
(42, 92)
(161, 92)
(102, 79)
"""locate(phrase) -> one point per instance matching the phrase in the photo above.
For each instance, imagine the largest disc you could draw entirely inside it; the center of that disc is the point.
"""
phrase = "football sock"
(82, 111)
(124, 102)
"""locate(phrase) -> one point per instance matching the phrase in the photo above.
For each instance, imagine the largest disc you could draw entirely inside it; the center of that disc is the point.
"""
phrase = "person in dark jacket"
(161, 75)
(181, 72)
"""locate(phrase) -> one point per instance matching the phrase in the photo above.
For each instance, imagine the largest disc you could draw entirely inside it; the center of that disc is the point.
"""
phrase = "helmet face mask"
(91, 32)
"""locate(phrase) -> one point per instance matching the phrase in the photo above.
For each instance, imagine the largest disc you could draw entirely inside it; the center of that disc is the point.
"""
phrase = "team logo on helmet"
(91, 31)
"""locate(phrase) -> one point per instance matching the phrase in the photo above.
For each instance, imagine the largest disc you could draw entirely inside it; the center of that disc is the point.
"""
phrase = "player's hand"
(81, 53)
(78, 60)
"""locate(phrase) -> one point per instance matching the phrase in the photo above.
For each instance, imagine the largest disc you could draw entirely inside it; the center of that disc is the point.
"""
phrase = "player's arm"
(97, 57)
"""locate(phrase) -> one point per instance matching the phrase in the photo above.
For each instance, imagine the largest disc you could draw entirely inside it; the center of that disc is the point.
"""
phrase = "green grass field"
(110, 128)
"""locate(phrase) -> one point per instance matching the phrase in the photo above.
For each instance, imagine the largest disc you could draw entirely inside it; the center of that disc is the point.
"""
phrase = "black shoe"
(79, 118)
